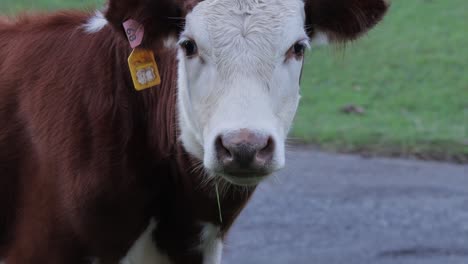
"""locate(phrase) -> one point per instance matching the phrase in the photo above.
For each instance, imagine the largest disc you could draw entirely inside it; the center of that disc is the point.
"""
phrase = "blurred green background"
(13, 6)
(405, 83)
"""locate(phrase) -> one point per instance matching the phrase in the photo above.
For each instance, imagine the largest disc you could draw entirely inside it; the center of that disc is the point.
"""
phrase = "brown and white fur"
(92, 170)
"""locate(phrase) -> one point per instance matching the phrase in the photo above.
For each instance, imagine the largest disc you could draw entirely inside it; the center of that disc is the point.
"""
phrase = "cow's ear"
(160, 18)
(343, 20)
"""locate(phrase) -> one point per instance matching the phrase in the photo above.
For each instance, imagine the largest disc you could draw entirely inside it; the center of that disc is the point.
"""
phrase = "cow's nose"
(244, 152)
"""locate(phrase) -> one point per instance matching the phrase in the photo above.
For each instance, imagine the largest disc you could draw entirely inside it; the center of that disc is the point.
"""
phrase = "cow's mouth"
(252, 181)
(244, 178)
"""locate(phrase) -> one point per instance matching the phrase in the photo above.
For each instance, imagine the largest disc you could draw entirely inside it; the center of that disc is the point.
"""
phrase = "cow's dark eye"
(299, 49)
(190, 47)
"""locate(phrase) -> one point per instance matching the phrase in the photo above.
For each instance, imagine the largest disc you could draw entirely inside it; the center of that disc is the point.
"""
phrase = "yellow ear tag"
(143, 68)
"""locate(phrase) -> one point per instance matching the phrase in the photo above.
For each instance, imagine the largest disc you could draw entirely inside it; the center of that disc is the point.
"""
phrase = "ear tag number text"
(143, 68)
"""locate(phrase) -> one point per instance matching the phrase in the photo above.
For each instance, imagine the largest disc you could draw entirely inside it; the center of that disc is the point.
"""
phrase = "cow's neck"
(185, 196)
(184, 204)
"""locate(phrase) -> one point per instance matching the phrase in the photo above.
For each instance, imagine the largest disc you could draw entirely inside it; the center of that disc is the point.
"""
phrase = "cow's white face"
(239, 68)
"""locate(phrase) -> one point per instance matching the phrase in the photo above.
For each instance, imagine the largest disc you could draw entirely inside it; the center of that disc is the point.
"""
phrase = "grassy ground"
(13, 6)
(409, 76)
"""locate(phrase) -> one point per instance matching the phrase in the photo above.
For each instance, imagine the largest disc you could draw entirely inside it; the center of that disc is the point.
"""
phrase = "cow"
(94, 170)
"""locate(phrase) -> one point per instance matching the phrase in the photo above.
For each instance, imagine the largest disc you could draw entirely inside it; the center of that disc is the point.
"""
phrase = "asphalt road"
(339, 209)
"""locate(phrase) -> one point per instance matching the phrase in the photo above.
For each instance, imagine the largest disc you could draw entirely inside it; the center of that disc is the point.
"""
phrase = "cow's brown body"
(86, 161)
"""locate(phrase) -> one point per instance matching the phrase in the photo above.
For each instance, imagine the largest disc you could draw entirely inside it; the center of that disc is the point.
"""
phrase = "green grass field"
(13, 6)
(409, 75)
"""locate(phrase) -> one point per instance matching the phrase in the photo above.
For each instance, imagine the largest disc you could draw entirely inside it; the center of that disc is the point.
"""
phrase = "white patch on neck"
(95, 23)
(145, 251)
(211, 244)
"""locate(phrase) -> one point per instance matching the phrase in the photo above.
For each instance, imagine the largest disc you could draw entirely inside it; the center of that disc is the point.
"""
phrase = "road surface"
(340, 209)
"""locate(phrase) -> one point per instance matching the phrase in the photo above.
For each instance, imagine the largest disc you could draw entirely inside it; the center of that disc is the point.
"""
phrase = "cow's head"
(240, 64)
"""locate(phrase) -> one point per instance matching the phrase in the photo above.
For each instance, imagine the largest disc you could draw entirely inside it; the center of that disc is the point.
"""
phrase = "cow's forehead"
(253, 32)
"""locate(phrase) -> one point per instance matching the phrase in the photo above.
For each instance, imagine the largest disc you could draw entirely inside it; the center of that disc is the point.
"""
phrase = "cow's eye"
(297, 50)
(190, 47)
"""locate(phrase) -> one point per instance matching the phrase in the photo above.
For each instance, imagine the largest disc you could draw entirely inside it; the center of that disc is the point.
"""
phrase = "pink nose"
(244, 152)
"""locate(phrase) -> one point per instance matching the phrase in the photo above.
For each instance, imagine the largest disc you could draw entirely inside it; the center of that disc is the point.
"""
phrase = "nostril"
(223, 153)
(266, 153)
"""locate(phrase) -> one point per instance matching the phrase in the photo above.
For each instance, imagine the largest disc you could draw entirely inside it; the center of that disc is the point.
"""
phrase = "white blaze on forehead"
(95, 23)
(246, 36)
